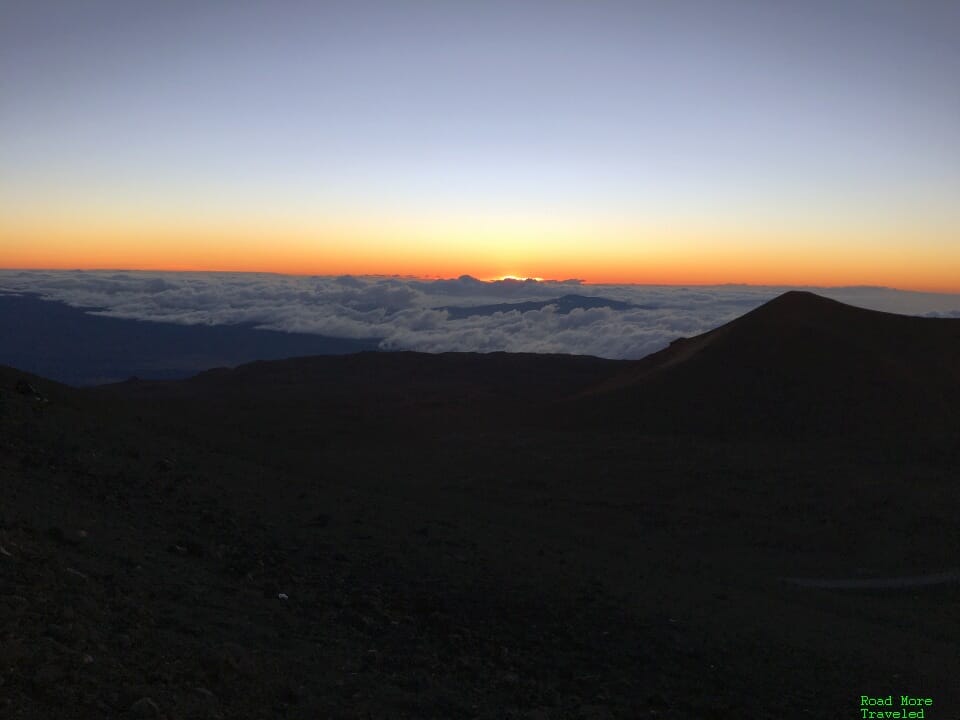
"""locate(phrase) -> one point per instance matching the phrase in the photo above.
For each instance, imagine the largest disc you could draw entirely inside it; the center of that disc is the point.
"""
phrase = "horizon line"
(501, 278)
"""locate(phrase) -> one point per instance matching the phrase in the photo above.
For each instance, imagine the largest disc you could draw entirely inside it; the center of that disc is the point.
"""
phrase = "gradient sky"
(651, 142)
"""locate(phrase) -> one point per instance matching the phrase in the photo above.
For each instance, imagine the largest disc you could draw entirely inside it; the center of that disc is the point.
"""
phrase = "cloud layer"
(403, 312)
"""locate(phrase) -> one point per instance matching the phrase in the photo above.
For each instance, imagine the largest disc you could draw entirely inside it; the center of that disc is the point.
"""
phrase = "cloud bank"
(406, 313)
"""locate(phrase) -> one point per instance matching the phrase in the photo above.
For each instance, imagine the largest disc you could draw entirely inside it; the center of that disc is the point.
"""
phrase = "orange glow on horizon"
(666, 276)
(653, 257)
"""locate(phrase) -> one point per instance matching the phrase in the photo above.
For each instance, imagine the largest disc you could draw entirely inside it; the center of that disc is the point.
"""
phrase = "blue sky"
(804, 123)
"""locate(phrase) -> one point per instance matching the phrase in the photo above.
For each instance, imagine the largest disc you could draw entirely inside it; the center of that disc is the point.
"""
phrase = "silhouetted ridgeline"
(71, 345)
(798, 366)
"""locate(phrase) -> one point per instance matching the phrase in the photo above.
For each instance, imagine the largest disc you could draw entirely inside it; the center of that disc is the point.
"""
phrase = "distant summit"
(799, 365)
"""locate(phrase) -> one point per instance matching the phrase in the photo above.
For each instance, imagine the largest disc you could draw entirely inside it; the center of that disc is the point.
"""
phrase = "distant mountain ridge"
(73, 346)
(564, 304)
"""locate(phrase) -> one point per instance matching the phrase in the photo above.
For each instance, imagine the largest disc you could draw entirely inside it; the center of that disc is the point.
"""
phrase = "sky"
(662, 142)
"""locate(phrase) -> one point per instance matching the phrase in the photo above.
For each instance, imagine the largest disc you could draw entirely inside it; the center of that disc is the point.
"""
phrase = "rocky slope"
(407, 536)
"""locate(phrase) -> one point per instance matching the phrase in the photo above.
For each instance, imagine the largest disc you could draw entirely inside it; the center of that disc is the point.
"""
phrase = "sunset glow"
(680, 146)
(644, 257)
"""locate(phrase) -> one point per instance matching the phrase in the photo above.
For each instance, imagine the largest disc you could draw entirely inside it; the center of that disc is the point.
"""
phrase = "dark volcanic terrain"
(398, 535)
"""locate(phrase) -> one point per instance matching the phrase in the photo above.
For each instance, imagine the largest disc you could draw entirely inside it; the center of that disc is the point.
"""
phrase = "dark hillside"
(488, 536)
(800, 365)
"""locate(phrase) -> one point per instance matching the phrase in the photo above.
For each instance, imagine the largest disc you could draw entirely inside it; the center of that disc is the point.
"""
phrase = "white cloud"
(402, 311)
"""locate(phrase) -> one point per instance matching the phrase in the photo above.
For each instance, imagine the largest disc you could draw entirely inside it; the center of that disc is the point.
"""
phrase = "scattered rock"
(25, 388)
(208, 702)
(220, 663)
(206, 694)
(236, 655)
(144, 708)
(186, 547)
(75, 574)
